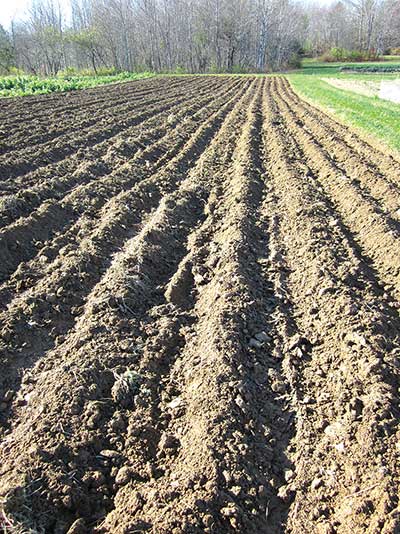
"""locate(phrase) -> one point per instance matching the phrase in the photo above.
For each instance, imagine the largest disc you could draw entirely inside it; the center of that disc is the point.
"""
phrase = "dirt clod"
(124, 475)
(168, 442)
(78, 527)
(316, 483)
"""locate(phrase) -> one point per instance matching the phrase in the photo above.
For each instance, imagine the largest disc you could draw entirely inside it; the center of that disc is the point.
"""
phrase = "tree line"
(193, 35)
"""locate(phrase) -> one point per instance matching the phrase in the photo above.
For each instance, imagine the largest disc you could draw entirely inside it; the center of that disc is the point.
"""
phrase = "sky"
(15, 9)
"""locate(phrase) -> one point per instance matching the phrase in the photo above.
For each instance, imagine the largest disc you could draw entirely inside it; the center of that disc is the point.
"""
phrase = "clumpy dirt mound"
(200, 285)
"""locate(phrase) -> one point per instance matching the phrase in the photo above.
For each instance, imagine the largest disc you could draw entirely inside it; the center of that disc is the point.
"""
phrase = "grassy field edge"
(374, 119)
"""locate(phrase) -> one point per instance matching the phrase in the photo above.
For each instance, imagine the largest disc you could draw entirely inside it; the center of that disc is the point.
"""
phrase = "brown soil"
(199, 330)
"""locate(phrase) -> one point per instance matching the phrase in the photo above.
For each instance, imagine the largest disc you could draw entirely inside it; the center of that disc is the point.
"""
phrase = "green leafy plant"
(370, 68)
(66, 81)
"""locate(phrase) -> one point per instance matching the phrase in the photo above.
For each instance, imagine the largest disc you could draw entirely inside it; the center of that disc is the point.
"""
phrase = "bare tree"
(197, 35)
(7, 57)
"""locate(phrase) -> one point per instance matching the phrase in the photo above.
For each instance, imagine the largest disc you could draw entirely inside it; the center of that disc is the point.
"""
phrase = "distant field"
(376, 117)
(29, 85)
(316, 67)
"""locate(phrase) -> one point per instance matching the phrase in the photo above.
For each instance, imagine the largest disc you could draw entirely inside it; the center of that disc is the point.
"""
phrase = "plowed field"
(199, 327)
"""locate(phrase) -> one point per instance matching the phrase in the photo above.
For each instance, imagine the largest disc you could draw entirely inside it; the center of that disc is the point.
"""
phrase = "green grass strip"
(376, 117)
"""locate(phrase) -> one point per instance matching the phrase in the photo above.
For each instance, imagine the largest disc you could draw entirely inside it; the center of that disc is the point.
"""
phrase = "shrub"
(341, 54)
(327, 58)
(106, 71)
(338, 53)
(213, 68)
(14, 71)
(294, 62)
(179, 70)
(69, 71)
(355, 55)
